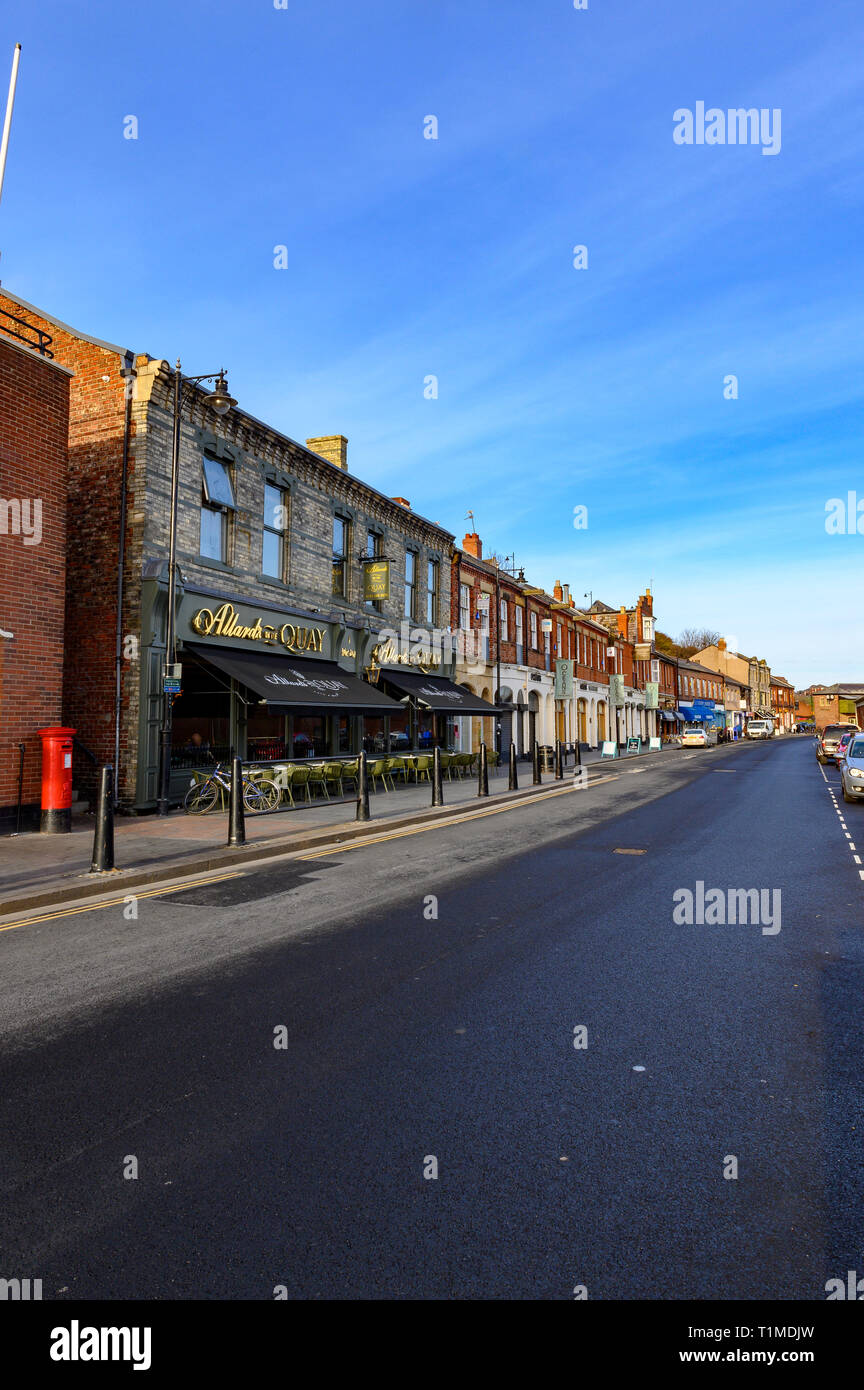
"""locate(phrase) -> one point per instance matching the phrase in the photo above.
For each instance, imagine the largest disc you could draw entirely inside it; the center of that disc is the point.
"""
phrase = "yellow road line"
(445, 824)
(115, 902)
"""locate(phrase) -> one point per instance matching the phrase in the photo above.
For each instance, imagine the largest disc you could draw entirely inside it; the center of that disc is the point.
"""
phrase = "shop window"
(464, 606)
(373, 552)
(273, 542)
(432, 592)
(217, 504)
(410, 583)
(341, 530)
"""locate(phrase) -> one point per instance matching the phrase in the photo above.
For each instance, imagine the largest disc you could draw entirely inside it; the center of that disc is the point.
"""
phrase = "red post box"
(56, 780)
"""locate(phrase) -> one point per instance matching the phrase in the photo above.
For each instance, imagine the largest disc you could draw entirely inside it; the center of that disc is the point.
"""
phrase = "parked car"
(826, 744)
(852, 769)
(694, 736)
(842, 746)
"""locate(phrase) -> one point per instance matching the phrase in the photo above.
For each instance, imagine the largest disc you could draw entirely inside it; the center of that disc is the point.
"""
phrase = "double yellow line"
(116, 902)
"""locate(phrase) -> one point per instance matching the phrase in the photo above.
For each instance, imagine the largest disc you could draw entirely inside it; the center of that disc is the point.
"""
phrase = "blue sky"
(558, 387)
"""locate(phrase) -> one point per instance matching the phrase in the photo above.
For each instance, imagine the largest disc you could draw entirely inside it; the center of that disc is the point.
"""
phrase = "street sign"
(546, 625)
(170, 685)
(563, 679)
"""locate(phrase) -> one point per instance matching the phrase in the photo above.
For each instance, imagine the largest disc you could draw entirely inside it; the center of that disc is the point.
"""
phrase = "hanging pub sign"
(616, 690)
(652, 694)
(563, 679)
(376, 579)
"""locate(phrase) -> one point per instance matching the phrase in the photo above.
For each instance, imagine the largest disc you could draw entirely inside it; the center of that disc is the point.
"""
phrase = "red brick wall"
(96, 432)
(34, 423)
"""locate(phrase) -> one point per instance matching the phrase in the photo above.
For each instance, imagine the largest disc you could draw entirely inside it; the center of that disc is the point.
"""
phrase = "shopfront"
(263, 684)
(434, 708)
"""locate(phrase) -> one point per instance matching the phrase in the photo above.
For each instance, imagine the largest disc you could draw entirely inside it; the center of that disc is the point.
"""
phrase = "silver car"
(851, 765)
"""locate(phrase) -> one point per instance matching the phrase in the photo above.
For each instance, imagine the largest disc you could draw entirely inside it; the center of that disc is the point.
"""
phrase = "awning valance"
(297, 682)
(437, 693)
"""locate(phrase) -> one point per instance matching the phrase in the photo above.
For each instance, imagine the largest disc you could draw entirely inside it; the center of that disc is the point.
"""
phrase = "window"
(558, 648)
(519, 619)
(532, 627)
(273, 542)
(217, 502)
(341, 530)
(464, 606)
(432, 592)
(373, 550)
(504, 621)
(410, 583)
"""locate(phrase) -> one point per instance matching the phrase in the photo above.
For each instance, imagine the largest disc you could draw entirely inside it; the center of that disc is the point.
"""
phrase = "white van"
(760, 728)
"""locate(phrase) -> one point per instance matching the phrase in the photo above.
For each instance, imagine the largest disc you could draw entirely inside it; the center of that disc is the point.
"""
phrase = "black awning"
(437, 693)
(297, 682)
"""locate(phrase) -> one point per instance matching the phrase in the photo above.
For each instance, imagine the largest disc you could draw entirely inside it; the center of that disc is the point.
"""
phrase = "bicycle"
(257, 795)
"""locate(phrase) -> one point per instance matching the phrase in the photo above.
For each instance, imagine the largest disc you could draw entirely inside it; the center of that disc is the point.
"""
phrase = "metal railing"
(38, 339)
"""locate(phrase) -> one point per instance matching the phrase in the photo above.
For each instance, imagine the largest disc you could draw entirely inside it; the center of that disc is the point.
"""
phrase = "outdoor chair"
(333, 776)
(396, 768)
(422, 767)
(298, 778)
(351, 771)
(378, 770)
(318, 778)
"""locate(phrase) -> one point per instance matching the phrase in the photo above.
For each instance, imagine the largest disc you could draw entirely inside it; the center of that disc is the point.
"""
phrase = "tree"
(665, 645)
(693, 639)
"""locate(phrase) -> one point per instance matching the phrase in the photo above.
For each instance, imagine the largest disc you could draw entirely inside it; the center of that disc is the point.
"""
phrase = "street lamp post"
(221, 402)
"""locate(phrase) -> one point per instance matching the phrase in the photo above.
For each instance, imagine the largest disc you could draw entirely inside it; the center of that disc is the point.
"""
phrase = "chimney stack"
(558, 592)
(332, 447)
(721, 644)
(473, 545)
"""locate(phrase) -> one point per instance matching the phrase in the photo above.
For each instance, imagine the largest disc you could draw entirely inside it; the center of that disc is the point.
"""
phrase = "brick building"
(34, 424)
(783, 704)
(294, 580)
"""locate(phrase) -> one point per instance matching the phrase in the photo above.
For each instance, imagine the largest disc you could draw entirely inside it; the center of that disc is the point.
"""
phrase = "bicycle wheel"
(201, 798)
(253, 797)
(271, 793)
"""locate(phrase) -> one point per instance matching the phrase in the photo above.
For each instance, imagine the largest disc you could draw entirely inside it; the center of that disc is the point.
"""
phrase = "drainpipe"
(128, 373)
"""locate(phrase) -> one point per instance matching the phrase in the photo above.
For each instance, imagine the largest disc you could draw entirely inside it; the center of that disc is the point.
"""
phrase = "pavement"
(44, 870)
(350, 1072)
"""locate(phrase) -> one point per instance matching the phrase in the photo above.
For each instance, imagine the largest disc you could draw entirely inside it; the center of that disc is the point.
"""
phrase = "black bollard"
(363, 812)
(513, 784)
(236, 818)
(103, 839)
(437, 784)
(535, 756)
(559, 766)
(483, 773)
(578, 752)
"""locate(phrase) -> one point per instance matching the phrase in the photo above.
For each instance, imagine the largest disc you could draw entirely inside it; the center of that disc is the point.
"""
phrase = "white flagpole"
(4, 144)
(7, 124)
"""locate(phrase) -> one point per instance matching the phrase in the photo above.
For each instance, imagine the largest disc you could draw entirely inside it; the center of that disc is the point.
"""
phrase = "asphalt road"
(410, 1035)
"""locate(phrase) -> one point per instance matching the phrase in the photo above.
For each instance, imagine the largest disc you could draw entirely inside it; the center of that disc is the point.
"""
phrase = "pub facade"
(311, 610)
